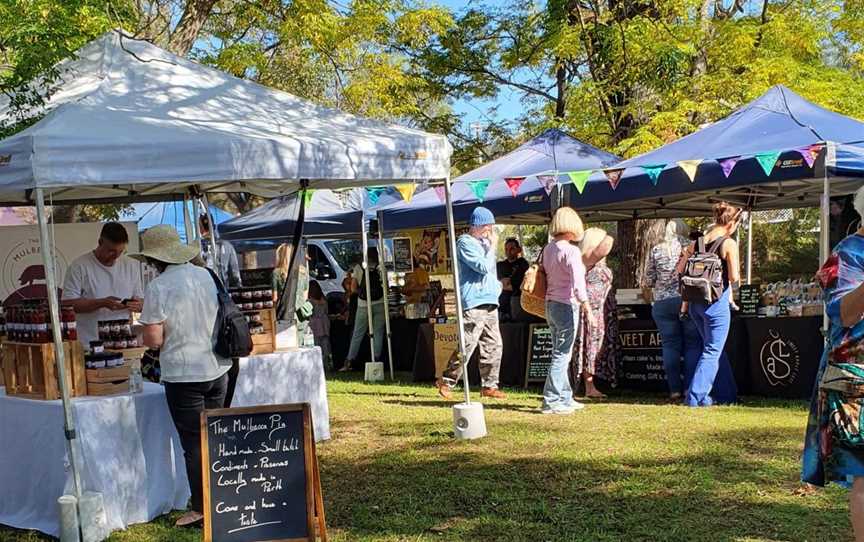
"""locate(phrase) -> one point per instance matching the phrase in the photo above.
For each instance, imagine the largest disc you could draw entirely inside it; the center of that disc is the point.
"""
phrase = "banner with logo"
(445, 341)
(784, 355)
(22, 275)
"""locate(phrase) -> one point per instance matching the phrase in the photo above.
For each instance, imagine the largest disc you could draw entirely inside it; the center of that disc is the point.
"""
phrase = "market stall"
(205, 131)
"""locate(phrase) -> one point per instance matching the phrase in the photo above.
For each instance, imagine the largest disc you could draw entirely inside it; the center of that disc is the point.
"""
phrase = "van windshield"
(346, 253)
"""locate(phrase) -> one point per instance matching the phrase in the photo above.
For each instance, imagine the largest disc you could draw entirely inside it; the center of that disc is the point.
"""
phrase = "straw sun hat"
(163, 244)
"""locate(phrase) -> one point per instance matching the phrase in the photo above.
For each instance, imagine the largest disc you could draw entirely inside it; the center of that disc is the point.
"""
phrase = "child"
(320, 321)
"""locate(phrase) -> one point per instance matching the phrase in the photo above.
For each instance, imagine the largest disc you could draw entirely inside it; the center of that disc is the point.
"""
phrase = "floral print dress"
(834, 413)
(588, 352)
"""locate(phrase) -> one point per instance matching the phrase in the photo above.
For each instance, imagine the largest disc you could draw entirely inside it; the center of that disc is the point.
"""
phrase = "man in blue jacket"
(480, 288)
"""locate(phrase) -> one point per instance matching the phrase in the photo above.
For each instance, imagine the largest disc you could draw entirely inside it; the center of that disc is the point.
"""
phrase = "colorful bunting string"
(810, 153)
(690, 167)
(442, 195)
(307, 196)
(614, 176)
(513, 183)
(653, 171)
(479, 188)
(547, 182)
(580, 178)
(728, 164)
(343, 196)
(767, 160)
(374, 194)
(406, 190)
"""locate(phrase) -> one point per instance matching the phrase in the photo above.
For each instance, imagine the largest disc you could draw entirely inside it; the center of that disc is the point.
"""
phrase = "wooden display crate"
(102, 376)
(30, 370)
(265, 343)
(108, 388)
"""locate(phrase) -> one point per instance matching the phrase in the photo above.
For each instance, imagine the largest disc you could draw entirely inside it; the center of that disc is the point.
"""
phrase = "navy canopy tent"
(551, 153)
(792, 139)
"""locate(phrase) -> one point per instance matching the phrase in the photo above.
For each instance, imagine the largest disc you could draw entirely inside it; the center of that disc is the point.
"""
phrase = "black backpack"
(702, 279)
(231, 330)
(376, 288)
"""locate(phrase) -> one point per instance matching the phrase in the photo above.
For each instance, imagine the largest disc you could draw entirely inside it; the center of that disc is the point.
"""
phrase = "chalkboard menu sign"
(641, 366)
(260, 475)
(539, 353)
(403, 260)
(749, 299)
(257, 277)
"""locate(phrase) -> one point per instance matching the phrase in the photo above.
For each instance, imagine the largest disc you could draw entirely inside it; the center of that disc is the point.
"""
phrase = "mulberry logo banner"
(779, 359)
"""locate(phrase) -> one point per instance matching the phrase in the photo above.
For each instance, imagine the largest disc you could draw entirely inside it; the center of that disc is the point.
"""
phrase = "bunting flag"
(614, 176)
(653, 172)
(406, 190)
(767, 160)
(442, 195)
(307, 196)
(810, 153)
(513, 183)
(728, 164)
(580, 178)
(343, 196)
(690, 167)
(547, 182)
(374, 194)
(479, 188)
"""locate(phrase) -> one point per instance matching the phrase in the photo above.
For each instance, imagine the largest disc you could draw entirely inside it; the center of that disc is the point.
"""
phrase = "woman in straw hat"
(180, 307)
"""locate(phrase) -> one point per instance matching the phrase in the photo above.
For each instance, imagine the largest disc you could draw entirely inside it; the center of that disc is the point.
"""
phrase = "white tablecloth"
(129, 447)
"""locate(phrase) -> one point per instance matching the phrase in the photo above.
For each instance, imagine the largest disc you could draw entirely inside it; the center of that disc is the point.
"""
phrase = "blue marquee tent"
(757, 157)
(552, 153)
(147, 215)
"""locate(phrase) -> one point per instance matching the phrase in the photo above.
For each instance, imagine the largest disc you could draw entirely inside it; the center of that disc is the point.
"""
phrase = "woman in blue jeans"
(712, 320)
(566, 298)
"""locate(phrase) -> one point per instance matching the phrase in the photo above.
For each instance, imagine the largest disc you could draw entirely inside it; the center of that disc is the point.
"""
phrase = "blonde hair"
(283, 258)
(566, 220)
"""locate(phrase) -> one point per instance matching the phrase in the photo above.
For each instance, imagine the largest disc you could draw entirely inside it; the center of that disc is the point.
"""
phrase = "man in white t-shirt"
(357, 284)
(103, 284)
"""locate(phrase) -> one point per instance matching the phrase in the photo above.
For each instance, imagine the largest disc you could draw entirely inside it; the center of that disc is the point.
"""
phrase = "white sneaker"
(565, 411)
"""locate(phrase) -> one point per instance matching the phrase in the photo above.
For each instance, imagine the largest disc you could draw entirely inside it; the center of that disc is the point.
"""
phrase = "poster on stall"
(445, 341)
(23, 275)
(403, 259)
(431, 249)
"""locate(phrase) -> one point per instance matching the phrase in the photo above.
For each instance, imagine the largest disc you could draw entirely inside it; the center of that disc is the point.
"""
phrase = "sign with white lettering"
(539, 353)
(261, 475)
(641, 362)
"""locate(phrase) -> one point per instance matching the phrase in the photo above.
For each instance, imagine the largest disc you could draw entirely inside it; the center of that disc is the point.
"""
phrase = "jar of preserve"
(116, 329)
(70, 324)
(268, 304)
(125, 329)
(258, 305)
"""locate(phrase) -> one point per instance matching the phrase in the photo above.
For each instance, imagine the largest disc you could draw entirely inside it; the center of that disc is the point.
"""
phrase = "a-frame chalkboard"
(260, 472)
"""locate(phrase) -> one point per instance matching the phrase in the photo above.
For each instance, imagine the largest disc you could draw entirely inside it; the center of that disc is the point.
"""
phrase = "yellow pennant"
(407, 190)
(690, 167)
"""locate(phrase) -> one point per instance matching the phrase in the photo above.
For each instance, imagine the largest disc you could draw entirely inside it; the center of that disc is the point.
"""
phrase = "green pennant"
(767, 160)
(653, 172)
(307, 196)
(374, 193)
(580, 178)
(479, 188)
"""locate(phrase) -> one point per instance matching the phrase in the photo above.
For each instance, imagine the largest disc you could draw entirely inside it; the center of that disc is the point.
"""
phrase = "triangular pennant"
(810, 153)
(580, 178)
(653, 171)
(614, 176)
(406, 190)
(547, 182)
(479, 188)
(307, 197)
(513, 183)
(767, 160)
(728, 164)
(690, 167)
(374, 194)
(343, 196)
(442, 195)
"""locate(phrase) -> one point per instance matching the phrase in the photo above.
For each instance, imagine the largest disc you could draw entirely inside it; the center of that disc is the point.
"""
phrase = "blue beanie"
(481, 216)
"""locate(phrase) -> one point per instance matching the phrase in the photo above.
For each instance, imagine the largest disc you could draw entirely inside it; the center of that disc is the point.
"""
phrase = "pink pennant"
(442, 195)
(548, 182)
(614, 176)
(728, 164)
(513, 183)
(810, 153)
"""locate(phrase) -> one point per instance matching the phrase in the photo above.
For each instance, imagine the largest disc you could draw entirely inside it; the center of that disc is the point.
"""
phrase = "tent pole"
(824, 239)
(749, 247)
(187, 220)
(214, 238)
(47, 250)
(386, 283)
(460, 324)
(370, 327)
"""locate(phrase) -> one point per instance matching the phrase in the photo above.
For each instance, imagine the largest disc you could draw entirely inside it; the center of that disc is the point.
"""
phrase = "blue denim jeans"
(712, 322)
(563, 321)
(361, 327)
(666, 315)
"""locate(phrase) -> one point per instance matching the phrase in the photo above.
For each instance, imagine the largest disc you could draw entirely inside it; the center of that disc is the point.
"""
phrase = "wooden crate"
(265, 343)
(108, 388)
(101, 376)
(30, 370)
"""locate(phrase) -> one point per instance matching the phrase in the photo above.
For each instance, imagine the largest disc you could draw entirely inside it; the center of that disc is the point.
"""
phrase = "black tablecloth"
(784, 355)
(514, 337)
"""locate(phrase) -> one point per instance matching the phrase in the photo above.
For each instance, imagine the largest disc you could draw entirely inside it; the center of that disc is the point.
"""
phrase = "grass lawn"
(627, 469)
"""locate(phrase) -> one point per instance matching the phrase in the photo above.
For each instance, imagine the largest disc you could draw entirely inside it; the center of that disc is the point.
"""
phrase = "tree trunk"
(64, 214)
(635, 239)
(194, 16)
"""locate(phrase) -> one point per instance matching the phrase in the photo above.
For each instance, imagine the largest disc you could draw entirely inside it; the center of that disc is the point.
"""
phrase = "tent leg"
(749, 247)
(47, 250)
(214, 238)
(824, 239)
(187, 219)
(370, 327)
(386, 284)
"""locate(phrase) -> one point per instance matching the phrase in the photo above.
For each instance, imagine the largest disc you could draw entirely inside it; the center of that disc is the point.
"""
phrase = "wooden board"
(539, 353)
(30, 370)
(113, 374)
(265, 343)
(107, 388)
(260, 474)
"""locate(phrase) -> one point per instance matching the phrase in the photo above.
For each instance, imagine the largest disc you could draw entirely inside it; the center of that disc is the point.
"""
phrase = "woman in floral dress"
(834, 444)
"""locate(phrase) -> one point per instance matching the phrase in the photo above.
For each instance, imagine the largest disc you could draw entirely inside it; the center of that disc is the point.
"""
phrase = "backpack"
(702, 279)
(231, 330)
(376, 288)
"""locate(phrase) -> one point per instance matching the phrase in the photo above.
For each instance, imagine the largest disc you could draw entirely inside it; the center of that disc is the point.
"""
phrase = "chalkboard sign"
(539, 353)
(260, 475)
(641, 366)
(749, 299)
(257, 277)
(403, 260)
